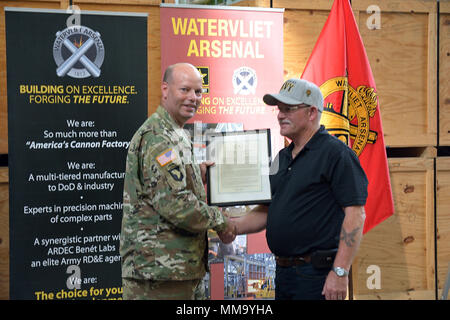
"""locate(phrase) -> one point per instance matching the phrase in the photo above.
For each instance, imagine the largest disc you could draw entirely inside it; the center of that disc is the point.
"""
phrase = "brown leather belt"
(293, 261)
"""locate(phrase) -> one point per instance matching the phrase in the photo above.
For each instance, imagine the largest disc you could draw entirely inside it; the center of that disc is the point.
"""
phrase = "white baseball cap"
(297, 91)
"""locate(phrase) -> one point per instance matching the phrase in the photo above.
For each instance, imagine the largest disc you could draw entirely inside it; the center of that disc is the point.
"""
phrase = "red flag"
(339, 66)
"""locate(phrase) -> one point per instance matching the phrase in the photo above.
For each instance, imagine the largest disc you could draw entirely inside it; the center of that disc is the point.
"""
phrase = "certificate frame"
(240, 175)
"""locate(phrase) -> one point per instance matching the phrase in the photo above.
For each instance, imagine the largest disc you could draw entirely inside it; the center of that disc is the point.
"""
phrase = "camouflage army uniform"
(165, 216)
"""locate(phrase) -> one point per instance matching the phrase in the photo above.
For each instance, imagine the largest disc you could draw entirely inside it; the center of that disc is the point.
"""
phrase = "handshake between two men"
(230, 233)
(252, 222)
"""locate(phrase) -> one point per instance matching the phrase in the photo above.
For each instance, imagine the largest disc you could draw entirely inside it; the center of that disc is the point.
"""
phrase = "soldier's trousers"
(135, 289)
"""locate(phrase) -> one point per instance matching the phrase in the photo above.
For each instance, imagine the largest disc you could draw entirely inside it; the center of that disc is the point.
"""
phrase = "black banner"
(77, 91)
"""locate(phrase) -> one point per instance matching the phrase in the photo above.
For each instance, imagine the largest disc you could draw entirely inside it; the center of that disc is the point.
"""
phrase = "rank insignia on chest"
(166, 157)
(176, 173)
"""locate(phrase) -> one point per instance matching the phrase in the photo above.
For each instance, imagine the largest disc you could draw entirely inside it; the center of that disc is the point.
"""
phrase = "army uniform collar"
(181, 133)
(164, 114)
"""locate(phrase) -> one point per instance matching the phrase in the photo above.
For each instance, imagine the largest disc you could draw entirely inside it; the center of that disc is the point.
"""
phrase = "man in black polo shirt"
(315, 220)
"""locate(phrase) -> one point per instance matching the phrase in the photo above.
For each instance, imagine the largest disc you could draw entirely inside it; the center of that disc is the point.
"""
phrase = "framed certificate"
(240, 175)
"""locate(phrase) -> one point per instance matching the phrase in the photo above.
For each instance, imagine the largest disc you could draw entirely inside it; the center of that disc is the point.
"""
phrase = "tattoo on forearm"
(349, 237)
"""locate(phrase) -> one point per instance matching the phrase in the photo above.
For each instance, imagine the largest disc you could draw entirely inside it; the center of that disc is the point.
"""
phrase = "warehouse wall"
(412, 248)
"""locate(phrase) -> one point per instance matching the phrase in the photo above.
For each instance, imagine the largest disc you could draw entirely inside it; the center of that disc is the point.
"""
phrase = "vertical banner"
(239, 52)
(352, 110)
(77, 91)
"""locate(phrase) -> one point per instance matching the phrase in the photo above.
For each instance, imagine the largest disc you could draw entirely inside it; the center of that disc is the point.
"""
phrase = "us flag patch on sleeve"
(166, 157)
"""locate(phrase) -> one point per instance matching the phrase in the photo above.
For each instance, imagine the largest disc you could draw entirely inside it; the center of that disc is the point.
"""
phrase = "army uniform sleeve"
(165, 180)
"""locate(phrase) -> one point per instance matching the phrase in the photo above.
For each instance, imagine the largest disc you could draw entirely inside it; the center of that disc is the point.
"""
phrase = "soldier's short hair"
(168, 73)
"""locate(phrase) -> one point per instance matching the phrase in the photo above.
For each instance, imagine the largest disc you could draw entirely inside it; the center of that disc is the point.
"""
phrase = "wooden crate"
(403, 57)
(444, 72)
(443, 220)
(403, 245)
(303, 21)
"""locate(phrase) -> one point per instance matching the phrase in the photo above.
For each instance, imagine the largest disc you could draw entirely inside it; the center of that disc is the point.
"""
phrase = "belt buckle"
(298, 261)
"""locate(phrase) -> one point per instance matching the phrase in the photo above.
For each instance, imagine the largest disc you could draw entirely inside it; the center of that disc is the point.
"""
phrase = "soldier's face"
(182, 95)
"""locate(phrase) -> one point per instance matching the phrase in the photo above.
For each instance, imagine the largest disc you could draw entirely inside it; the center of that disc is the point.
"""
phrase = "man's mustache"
(284, 122)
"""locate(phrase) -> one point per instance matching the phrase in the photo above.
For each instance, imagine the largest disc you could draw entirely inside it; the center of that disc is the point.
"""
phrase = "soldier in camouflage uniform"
(163, 242)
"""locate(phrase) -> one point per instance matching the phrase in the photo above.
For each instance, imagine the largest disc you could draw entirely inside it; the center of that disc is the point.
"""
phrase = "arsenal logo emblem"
(350, 119)
(78, 52)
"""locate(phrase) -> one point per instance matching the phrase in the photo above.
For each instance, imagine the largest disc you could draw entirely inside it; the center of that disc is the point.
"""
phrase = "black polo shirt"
(309, 194)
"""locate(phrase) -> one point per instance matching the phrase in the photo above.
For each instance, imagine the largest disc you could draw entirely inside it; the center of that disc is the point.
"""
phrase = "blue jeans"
(299, 283)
